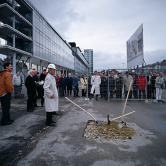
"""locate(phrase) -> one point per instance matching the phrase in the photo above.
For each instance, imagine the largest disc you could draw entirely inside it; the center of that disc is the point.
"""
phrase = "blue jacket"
(75, 80)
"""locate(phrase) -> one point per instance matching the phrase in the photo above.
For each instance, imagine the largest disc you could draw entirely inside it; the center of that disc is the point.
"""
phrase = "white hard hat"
(133, 71)
(51, 66)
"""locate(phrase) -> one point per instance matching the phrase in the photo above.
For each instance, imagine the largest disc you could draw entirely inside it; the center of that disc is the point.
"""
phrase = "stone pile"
(116, 130)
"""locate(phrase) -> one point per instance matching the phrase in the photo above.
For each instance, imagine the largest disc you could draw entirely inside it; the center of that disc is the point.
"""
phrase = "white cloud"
(106, 25)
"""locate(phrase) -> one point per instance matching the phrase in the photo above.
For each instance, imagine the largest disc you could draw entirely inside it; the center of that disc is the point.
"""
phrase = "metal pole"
(108, 86)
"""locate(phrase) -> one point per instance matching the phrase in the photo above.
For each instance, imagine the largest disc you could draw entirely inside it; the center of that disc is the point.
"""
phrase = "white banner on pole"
(135, 48)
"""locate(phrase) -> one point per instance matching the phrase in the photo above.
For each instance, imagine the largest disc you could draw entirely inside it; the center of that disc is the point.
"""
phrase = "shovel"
(96, 121)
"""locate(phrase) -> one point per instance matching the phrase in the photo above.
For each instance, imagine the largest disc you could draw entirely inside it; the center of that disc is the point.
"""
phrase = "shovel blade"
(99, 122)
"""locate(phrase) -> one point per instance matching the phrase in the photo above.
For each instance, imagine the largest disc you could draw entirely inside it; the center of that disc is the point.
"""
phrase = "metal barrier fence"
(115, 84)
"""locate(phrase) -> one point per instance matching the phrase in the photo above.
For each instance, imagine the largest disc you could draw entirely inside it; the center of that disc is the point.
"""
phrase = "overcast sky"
(106, 25)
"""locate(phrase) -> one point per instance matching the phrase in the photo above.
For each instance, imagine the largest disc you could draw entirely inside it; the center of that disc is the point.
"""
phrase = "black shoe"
(51, 124)
(30, 110)
(6, 123)
(56, 113)
(10, 120)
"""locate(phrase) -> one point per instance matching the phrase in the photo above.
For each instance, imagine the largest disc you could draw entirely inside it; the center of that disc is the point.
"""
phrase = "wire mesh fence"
(115, 84)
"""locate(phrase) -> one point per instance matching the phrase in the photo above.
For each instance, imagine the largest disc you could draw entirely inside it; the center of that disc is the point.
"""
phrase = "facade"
(27, 37)
(88, 53)
(80, 62)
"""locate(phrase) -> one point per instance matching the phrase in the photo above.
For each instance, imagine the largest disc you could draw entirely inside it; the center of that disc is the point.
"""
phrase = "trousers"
(158, 93)
(5, 103)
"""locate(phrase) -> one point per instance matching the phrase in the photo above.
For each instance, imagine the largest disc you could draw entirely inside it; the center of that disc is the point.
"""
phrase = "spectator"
(165, 79)
(75, 85)
(102, 85)
(126, 80)
(112, 84)
(133, 73)
(38, 87)
(119, 86)
(69, 83)
(83, 85)
(153, 81)
(135, 88)
(35, 77)
(17, 82)
(160, 84)
(5, 93)
(141, 83)
(51, 95)
(106, 86)
(149, 86)
(31, 90)
(62, 85)
(89, 84)
(57, 82)
(95, 81)
(42, 79)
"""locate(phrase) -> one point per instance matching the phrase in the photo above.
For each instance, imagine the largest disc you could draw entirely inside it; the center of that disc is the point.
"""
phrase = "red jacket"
(141, 83)
(57, 81)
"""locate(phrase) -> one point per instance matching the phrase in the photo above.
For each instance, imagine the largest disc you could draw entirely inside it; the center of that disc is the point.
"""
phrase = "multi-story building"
(88, 53)
(27, 37)
(80, 62)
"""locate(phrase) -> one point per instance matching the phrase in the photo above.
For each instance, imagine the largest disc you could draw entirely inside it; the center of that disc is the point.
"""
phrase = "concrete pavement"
(29, 142)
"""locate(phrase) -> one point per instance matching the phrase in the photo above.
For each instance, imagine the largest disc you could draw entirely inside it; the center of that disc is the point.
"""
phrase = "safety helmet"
(51, 66)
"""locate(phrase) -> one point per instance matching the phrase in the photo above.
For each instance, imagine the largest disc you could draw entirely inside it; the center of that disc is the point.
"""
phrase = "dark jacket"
(42, 77)
(62, 82)
(119, 83)
(153, 81)
(103, 81)
(75, 81)
(30, 85)
(135, 84)
(69, 83)
(111, 83)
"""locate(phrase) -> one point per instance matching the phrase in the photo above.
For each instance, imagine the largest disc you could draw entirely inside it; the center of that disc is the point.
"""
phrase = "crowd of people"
(48, 87)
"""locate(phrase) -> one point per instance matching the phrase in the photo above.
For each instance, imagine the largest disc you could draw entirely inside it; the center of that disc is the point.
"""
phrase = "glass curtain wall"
(48, 45)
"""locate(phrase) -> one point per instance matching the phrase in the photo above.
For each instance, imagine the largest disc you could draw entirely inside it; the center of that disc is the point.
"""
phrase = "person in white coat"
(95, 82)
(51, 95)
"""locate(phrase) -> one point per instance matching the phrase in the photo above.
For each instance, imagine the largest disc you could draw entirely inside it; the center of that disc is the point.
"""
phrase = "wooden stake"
(81, 108)
(126, 99)
(123, 116)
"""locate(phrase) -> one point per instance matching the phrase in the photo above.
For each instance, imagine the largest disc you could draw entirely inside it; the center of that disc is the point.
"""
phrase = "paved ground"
(28, 142)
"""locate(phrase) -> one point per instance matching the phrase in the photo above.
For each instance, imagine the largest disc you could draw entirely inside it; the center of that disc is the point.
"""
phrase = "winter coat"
(119, 83)
(51, 105)
(30, 85)
(111, 83)
(69, 83)
(57, 81)
(141, 82)
(17, 80)
(6, 85)
(83, 83)
(95, 81)
(159, 81)
(126, 82)
(75, 81)
(62, 82)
